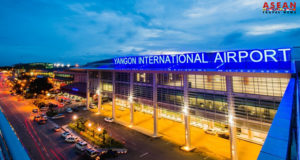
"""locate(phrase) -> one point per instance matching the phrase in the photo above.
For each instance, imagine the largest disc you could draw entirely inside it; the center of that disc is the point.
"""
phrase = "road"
(42, 143)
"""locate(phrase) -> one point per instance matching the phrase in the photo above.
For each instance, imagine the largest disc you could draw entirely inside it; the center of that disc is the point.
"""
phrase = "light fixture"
(75, 117)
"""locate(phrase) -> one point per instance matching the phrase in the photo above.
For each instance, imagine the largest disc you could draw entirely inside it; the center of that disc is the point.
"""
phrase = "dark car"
(42, 121)
(36, 118)
(75, 109)
(91, 153)
(56, 129)
(35, 110)
(225, 136)
(109, 154)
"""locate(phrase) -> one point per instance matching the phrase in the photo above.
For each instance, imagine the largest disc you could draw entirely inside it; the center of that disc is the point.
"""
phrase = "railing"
(11, 147)
(281, 139)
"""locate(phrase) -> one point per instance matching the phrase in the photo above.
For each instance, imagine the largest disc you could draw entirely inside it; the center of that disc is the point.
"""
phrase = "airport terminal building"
(236, 92)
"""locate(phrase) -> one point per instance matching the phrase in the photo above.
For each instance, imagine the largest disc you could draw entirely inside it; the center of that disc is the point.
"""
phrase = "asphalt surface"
(42, 143)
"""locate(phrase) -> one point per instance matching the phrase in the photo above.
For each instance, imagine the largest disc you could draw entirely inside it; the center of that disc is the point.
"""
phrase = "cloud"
(99, 29)
(270, 29)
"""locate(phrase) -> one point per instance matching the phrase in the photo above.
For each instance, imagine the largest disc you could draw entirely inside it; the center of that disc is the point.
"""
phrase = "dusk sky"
(85, 31)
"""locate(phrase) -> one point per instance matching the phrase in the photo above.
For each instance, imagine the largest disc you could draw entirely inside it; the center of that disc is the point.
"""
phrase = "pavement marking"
(142, 155)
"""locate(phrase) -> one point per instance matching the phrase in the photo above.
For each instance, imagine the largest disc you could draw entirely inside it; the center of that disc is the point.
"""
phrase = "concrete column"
(131, 99)
(186, 115)
(155, 112)
(113, 114)
(87, 89)
(231, 118)
(211, 124)
(250, 135)
(99, 93)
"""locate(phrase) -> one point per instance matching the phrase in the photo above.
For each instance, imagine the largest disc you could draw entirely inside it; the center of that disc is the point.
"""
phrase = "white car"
(120, 150)
(108, 119)
(210, 131)
(65, 134)
(71, 139)
(69, 110)
(81, 146)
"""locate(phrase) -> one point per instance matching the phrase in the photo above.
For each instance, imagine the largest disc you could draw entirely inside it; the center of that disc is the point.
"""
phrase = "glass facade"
(256, 99)
(209, 82)
(143, 78)
(170, 79)
(260, 85)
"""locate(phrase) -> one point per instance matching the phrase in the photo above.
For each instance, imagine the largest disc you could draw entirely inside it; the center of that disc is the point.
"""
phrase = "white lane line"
(142, 155)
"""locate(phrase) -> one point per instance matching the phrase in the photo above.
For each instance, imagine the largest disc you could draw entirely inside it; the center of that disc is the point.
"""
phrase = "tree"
(80, 123)
(40, 85)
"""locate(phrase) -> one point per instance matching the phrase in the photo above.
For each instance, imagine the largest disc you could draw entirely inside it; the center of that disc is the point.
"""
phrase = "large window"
(210, 82)
(170, 79)
(170, 96)
(211, 102)
(143, 78)
(122, 76)
(255, 109)
(145, 92)
(106, 75)
(107, 87)
(260, 85)
(122, 89)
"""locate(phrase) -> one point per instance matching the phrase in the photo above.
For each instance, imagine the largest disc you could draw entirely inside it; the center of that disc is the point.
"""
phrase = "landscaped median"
(94, 133)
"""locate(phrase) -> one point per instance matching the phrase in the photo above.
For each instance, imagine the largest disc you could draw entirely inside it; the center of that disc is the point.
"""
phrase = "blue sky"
(90, 30)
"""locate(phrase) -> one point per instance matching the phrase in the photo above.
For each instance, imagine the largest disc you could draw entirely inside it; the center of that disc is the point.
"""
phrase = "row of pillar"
(186, 116)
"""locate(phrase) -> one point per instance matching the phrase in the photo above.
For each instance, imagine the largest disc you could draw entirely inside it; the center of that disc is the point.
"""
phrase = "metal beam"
(155, 105)
(131, 99)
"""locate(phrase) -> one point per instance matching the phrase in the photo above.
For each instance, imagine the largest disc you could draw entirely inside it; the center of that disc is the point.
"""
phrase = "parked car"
(36, 118)
(84, 109)
(65, 134)
(42, 121)
(56, 129)
(43, 108)
(76, 109)
(58, 116)
(69, 110)
(120, 150)
(93, 106)
(71, 139)
(81, 146)
(108, 119)
(35, 110)
(44, 117)
(91, 153)
(225, 136)
(210, 131)
(109, 154)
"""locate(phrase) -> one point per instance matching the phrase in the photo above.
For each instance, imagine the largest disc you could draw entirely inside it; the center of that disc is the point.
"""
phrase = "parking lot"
(42, 143)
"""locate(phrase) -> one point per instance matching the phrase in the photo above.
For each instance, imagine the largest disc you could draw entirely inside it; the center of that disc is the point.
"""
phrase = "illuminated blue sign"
(75, 89)
(257, 60)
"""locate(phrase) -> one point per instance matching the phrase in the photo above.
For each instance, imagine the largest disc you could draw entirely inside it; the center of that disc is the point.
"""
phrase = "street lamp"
(75, 118)
(90, 125)
(99, 129)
